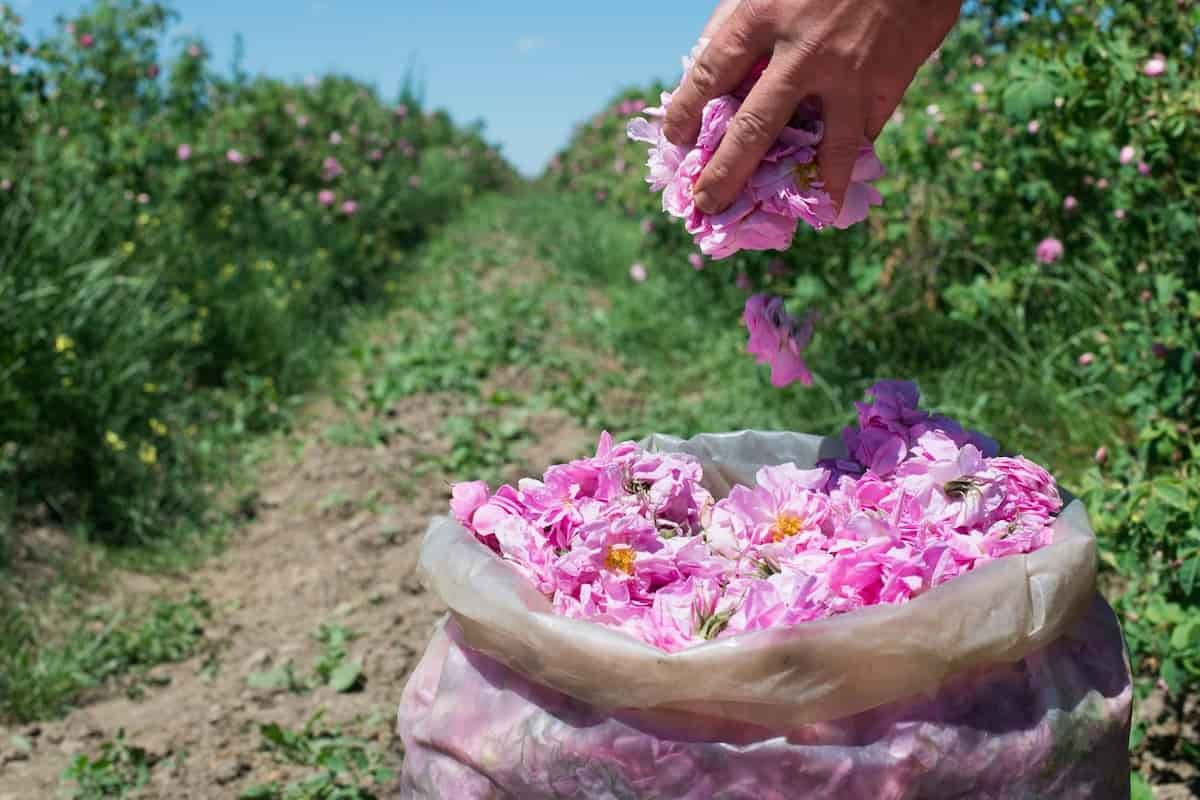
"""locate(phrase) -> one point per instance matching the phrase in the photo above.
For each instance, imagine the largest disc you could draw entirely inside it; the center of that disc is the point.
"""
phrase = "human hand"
(857, 56)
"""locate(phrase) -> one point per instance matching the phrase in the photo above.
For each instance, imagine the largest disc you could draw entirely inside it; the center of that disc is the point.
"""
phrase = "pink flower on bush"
(194, 51)
(777, 339)
(638, 272)
(6, 185)
(1143, 168)
(401, 111)
(1049, 250)
(86, 40)
(335, 138)
(235, 156)
(696, 260)
(375, 155)
(152, 71)
(1070, 203)
(977, 88)
(1127, 154)
(143, 198)
(326, 197)
(331, 168)
(1119, 213)
(1101, 455)
(1102, 184)
(1034, 126)
(349, 208)
(1086, 359)
(1154, 67)
(183, 152)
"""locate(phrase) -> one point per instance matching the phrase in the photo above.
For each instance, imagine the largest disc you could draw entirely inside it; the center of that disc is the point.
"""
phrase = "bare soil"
(335, 537)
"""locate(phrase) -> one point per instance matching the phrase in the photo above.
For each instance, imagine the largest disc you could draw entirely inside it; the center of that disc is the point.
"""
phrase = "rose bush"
(177, 246)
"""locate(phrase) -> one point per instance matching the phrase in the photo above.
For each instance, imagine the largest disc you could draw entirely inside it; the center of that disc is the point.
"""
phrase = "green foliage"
(334, 667)
(119, 771)
(40, 679)
(170, 276)
(346, 768)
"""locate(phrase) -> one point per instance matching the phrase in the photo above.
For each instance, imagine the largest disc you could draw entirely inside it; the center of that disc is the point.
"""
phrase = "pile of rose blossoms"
(630, 539)
(785, 189)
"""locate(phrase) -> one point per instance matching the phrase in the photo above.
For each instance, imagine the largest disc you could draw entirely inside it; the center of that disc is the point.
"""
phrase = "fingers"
(845, 127)
(887, 97)
(751, 134)
(723, 11)
(738, 44)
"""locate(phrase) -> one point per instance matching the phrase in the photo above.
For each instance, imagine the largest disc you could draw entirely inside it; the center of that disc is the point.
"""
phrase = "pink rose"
(1049, 250)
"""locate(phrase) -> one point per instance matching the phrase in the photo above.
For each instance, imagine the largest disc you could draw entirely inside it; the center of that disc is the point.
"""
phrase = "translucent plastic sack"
(1008, 682)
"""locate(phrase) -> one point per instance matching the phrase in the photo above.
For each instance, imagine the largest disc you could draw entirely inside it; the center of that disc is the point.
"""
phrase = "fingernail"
(705, 202)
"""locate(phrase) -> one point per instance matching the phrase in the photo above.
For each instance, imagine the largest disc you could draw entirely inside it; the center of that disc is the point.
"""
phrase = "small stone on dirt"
(230, 771)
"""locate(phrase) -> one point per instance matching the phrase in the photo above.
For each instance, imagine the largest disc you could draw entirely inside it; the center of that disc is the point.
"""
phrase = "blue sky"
(531, 69)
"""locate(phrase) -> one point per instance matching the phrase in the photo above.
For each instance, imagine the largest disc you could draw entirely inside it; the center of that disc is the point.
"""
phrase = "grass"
(40, 680)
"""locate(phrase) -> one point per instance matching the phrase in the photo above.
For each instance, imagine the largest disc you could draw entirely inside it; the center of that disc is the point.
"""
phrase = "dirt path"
(335, 539)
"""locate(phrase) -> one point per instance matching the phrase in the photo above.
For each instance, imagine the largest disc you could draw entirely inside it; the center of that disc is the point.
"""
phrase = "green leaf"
(1026, 93)
(271, 679)
(1139, 789)
(346, 677)
(1173, 493)
(1185, 634)
(1188, 574)
(1173, 675)
(262, 791)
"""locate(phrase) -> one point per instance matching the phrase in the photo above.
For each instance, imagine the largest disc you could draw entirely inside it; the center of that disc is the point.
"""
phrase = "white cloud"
(527, 44)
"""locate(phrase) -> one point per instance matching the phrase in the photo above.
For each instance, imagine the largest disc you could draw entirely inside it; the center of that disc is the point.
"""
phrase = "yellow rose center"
(786, 525)
(806, 174)
(620, 559)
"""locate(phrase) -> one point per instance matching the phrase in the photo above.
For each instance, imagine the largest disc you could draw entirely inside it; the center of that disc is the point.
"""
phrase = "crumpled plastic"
(1009, 682)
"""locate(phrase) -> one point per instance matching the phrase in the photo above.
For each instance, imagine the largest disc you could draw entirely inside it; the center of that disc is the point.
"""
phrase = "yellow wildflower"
(114, 441)
(148, 453)
(128, 247)
(159, 428)
(63, 343)
(228, 271)
(149, 388)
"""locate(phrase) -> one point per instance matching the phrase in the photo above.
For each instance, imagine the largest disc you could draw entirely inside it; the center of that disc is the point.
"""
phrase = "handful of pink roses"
(633, 540)
(785, 189)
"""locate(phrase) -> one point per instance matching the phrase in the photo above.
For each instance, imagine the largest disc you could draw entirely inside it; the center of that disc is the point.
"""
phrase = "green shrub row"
(177, 248)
